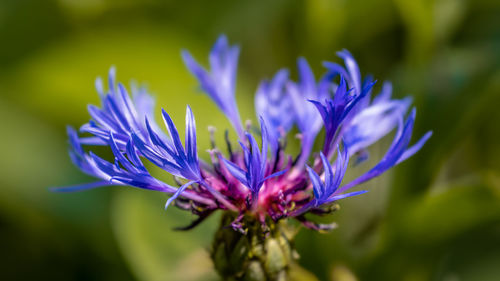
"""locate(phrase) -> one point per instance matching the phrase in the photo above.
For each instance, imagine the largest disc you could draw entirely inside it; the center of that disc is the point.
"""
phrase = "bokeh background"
(435, 217)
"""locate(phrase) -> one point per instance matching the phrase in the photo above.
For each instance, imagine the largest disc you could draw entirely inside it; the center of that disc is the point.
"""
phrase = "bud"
(256, 253)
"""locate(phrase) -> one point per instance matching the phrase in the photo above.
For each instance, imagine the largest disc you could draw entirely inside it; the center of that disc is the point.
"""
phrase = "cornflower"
(257, 186)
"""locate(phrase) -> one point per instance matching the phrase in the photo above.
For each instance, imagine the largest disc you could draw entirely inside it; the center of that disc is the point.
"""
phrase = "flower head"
(249, 181)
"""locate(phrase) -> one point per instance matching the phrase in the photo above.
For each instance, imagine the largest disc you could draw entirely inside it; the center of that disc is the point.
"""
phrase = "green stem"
(256, 255)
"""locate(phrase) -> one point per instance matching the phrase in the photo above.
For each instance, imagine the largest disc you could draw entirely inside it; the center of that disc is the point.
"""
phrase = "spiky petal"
(307, 118)
(274, 105)
(127, 169)
(397, 152)
(173, 158)
(255, 163)
(219, 82)
(335, 111)
(119, 114)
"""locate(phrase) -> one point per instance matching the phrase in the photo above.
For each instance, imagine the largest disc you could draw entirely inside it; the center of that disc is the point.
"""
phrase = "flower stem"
(257, 253)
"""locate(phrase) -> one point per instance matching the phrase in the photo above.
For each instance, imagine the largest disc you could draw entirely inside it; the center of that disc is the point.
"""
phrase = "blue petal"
(103, 165)
(385, 93)
(341, 166)
(153, 156)
(190, 142)
(328, 172)
(121, 158)
(178, 192)
(219, 83)
(274, 106)
(277, 174)
(317, 185)
(307, 81)
(112, 79)
(373, 122)
(353, 69)
(81, 187)
(99, 87)
(156, 139)
(101, 117)
(265, 137)
(336, 69)
(236, 171)
(392, 156)
(342, 196)
(415, 148)
(172, 130)
(118, 114)
(92, 141)
(134, 158)
(73, 140)
(322, 191)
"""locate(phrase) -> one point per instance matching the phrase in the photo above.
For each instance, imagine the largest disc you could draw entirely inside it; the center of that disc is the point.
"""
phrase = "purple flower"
(249, 180)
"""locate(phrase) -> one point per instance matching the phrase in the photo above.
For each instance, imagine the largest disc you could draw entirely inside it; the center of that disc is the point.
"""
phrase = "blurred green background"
(435, 217)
